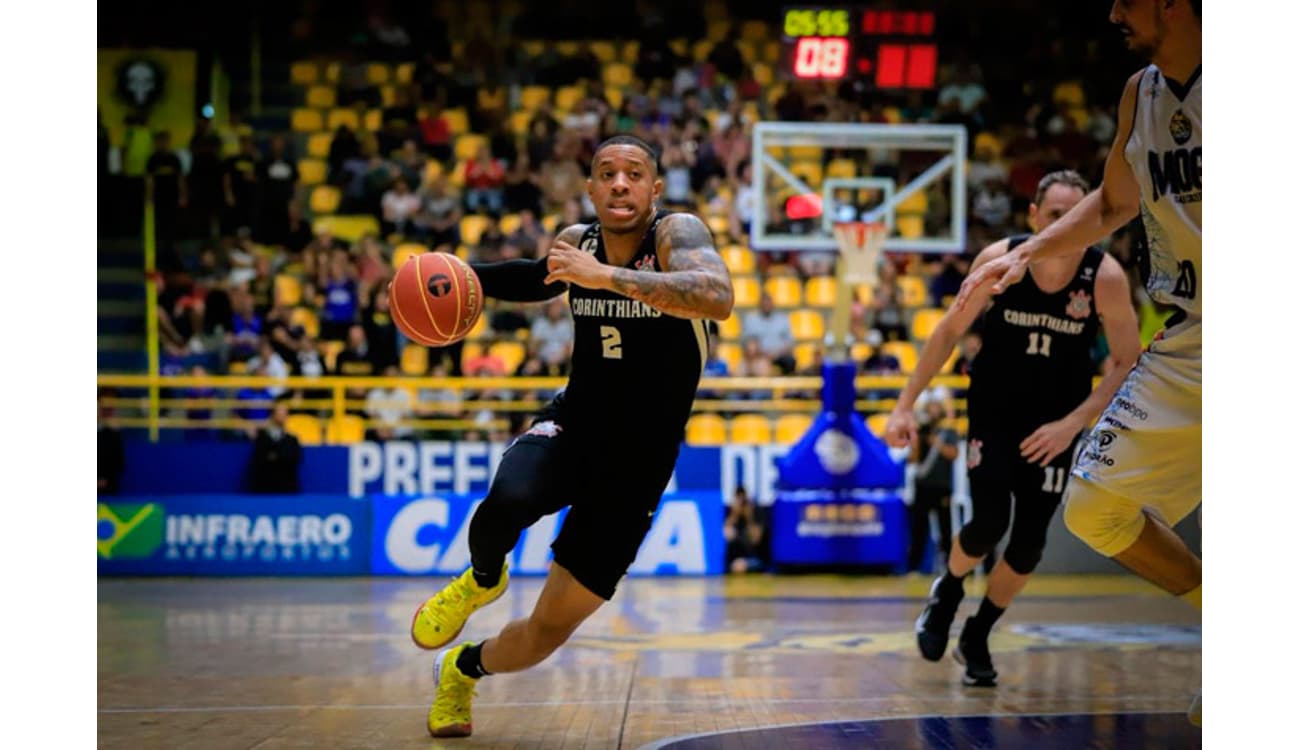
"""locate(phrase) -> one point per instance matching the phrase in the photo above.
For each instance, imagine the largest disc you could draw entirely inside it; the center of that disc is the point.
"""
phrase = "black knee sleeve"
(1023, 556)
(981, 534)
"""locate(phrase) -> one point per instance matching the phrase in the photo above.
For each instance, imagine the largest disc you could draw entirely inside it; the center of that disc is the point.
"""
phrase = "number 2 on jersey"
(1034, 348)
(611, 342)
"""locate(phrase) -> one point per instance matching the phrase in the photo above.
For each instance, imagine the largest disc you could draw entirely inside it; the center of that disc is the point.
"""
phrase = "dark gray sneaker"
(935, 621)
(972, 652)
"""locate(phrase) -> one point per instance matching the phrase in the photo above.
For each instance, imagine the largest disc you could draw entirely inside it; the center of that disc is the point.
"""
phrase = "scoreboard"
(895, 49)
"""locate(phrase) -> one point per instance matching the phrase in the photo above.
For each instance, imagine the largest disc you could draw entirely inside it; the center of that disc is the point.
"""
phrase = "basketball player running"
(1030, 398)
(1140, 471)
(640, 283)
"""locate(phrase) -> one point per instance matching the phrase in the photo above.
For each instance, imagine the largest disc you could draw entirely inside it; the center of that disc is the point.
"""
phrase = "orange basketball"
(436, 299)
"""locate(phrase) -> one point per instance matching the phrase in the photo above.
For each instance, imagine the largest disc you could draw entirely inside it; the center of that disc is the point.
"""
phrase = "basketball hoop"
(860, 246)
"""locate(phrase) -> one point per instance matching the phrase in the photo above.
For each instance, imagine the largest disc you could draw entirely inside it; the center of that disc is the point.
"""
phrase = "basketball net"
(860, 245)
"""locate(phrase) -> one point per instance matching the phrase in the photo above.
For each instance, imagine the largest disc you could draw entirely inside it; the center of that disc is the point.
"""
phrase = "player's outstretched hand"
(1049, 441)
(567, 263)
(900, 430)
(1002, 272)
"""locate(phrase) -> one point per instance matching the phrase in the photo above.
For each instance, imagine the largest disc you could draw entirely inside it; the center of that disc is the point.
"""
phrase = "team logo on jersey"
(545, 429)
(1105, 438)
(645, 264)
(1080, 305)
(973, 453)
(1180, 127)
(589, 245)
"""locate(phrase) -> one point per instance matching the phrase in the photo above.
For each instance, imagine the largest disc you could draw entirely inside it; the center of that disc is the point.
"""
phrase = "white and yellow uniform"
(1146, 448)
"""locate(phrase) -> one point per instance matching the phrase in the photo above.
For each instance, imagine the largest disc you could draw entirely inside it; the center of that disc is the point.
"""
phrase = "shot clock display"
(893, 48)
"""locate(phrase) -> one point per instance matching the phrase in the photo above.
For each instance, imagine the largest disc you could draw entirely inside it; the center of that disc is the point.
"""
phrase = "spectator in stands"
(170, 197)
(771, 328)
(743, 533)
(485, 180)
(399, 124)
(400, 207)
(344, 147)
(490, 241)
(726, 57)
(245, 334)
(946, 282)
(267, 361)
(879, 362)
(439, 221)
(887, 315)
(240, 184)
(111, 452)
(278, 176)
(205, 180)
(992, 204)
(440, 402)
(562, 178)
(381, 333)
(551, 335)
(968, 348)
(435, 133)
(966, 94)
(256, 399)
(486, 363)
(410, 163)
(277, 455)
(933, 454)
(742, 206)
(677, 165)
(339, 285)
(520, 192)
(355, 360)
(388, 408)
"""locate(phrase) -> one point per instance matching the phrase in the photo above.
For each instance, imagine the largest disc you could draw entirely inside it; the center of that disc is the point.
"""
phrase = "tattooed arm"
(696, 283)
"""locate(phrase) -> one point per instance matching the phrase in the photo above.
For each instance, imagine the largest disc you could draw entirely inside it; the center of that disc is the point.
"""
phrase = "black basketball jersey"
(1035, 364)
(634, 369)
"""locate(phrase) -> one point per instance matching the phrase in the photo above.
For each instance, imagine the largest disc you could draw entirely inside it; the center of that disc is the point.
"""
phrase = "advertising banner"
(234, 535)
(839, 527)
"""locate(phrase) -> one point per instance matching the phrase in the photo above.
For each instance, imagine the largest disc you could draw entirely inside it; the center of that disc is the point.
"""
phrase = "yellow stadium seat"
(739, 259)
(732, 355)
(510, 222)
(905, 351)
(457, 120)
(237, 368)
(377, 74)
(746, 290)
(330, 351)
(415, 360)
(481, 328)
(306, 121)
(791, 427)
(820, 291)
(407, 250)
(388, 95)
(566, 48)
(532, 97)
(467, 146)
(729, 329)
(321, 97)
(471, 351)
(784, 290)
(311, 171)
(341, 116)
(924, 322)
(405, 72)
(306, 317)
(615, 97)
(288, 289)
(717, 28)
(807, 325)
(471, 228)
(753, 30)
(679, 46)
(618, 74)
(914, 292)
(752, 429)
(304, 73)
(305, 427)
(318, 145)
(706, 429)
(332, 72)
(762, 73)
(805, 153)
(842, 168)
(347, 228)
(567, 97)
(876, 423)
(910, 226)
(962, 426)
(1069, 93)
(533, 47)
(701, 49)
(864, 293)
(719, 225)
(519, 120)
(630, 50)
(772, 51)
(948, 364)
(325, 199)
(859, 352)
(551, 222)
(432, 170)
(512, 353)
(373, 120)
(604, 51)
(808, 171)
(346, 430)
(804, 354)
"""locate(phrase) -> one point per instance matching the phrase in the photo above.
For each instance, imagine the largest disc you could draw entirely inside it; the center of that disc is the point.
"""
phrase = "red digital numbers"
(821, 57)
(906, 66)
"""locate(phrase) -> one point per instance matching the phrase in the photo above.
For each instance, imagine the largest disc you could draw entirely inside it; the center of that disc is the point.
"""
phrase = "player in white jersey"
(1139, 472)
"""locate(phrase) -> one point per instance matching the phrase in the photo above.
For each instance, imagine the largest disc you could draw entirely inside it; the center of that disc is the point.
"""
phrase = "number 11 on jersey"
(1034, 348)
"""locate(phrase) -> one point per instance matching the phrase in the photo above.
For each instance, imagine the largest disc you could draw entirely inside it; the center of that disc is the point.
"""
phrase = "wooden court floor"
(328, 663)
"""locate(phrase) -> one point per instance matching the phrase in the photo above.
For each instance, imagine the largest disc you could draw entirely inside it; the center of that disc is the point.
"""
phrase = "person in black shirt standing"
(240, 187)
(933, 453)
(278, 176)
(167, 179)
(640, 282)
(1030, 397)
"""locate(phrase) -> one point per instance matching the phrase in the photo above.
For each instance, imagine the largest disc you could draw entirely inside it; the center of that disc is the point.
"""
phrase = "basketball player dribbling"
(640, 282)
(1139, 473)
(1030, 398)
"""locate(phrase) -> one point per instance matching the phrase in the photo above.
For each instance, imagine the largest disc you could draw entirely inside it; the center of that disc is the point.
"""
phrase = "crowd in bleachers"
(296, 233)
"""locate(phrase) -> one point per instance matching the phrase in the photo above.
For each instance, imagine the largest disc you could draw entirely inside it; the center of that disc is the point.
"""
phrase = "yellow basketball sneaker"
(1194, 713)
(440, 619)
(449, 715)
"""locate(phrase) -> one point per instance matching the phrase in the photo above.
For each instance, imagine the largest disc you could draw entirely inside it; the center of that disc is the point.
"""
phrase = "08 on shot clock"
(894, 49)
